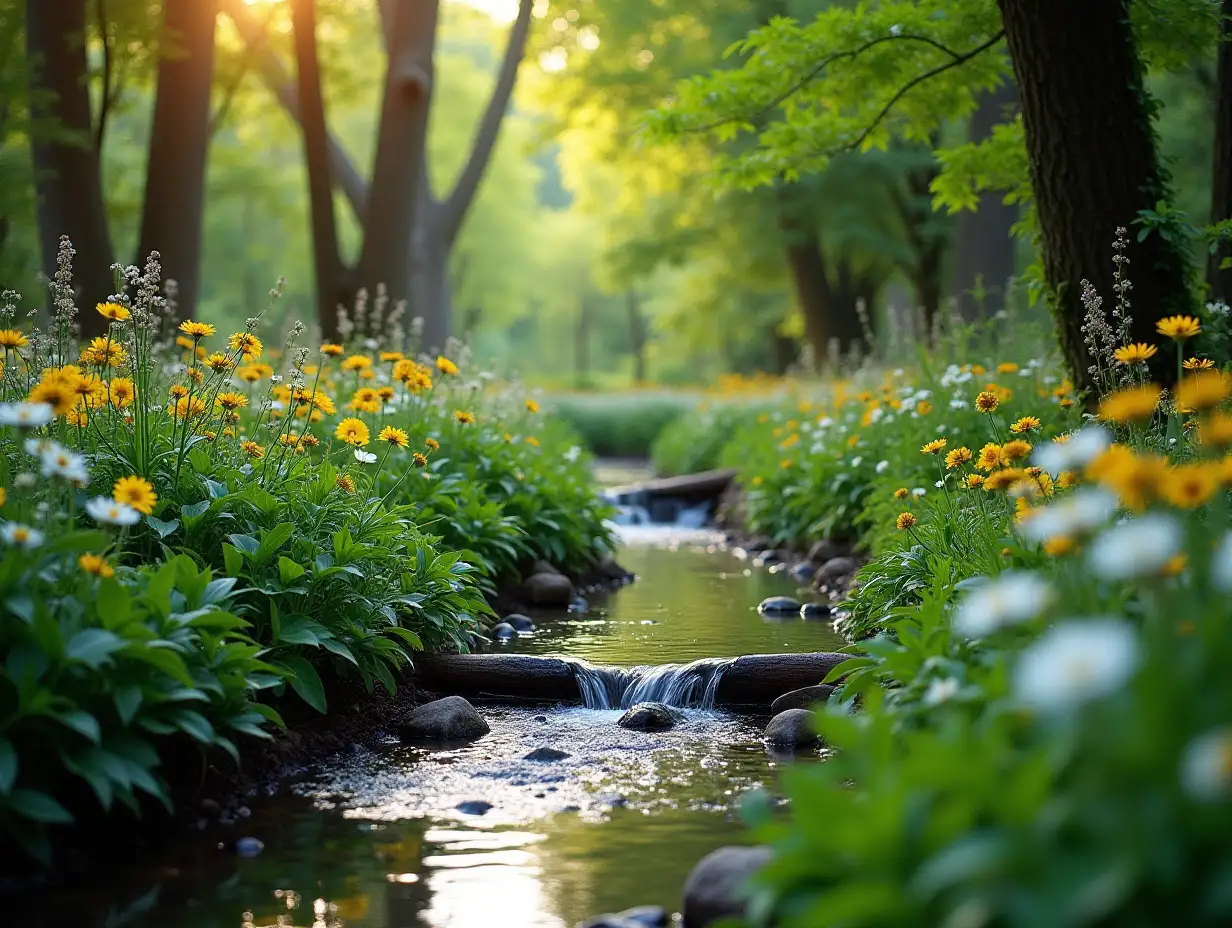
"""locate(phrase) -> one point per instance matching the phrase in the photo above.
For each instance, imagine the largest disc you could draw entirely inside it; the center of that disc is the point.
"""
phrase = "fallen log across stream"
(751, 680)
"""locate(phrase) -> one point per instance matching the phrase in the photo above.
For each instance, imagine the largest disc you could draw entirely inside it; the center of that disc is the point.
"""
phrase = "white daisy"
(1083, 447)
(1078, 514)
(1075, 662)
(364, 457)
(16, 535)
(25, 415)
(106, 511)
(1009, 599)
(65, 464)
(1136, 548)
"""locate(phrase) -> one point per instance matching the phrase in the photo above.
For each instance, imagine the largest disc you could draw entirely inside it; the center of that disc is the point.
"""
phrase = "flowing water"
(390, 838)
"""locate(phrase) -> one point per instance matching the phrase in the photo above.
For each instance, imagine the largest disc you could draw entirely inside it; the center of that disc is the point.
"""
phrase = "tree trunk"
(396, 190)
(983, 241)
(431, 286)
(174, 211)
(326, 257)
(1220, 282)
(67, 175)
(927, 282)
(1094, 164)
(637, 335)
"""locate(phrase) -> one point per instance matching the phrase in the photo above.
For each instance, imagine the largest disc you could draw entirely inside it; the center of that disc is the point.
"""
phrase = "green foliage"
(621, 425)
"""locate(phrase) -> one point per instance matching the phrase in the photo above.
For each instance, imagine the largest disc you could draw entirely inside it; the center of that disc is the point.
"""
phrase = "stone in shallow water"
(249, 847)
(815, 611)
(715, 888)
(504, 631)
(643, 916)
(837, 567)
(802, 572)
(779, 605)
(648, 716)
(792, 728)
(474, 807)
(547, 755)
(549, 590)
(802, 698)
(448, 719)
(519, 622)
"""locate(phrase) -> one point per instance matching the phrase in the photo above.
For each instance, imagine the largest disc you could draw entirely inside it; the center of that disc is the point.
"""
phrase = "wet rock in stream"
(715, 888)
(648, 716)
(643, 916)
(779, 605)
(448, 719)
(544, 589)
(519, 622)
(503, 631)
(547, 755)
(815, 611)
(474, 807)
(792, 728)
(802, 698)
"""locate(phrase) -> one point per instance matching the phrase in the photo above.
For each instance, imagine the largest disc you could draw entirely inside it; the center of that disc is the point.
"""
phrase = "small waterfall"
(682, 685)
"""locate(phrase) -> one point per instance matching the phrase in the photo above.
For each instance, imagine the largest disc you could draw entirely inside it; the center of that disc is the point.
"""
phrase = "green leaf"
(194, 724)
(38, 807)
(127, 701)
(163, 528)
(75, 542)
(274, 539)
(194, 511)
(217, 490)
(289, 570)
(245, 543)
(232, 559)
(93, 646)
(299, 629)
(114, 603)
(8, 765)
(83, 723)
(306, 682)
(164, 660)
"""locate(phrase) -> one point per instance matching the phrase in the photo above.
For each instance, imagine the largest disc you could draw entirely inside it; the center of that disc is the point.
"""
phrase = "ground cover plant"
(195, 526)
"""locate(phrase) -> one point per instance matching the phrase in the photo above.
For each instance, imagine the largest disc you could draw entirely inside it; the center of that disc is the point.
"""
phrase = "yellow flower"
(936, 446)
(923, 407)
(1065, 402)
(365, 399)
(4, 495)
(975, 481)
(1216, 432)
(1198, 364)
(1178, 328)
(386, 393)
(392, 356)
(1138, 353)
(113, 311)
(188, 407)
(249, 373)
(464, 417)
(532, 440)
(94, 564)
(1025, 424)
(432, 444)
(1132, 404)
(1003, 479)
(346, 483)
(1007, 367)
(77, 418)
(292, 441)
(11, 340)
(56, 394)
(445, 366)
(394, 437)
(230, 401)
(136, 492)
(987, 402)
(195, 375)
(419, 460)
(331, 350)
(218, 361)
(252, 449)
(1174, 565)
(122, 392)
(532, 406)
(1202, 390)
(357, 362)
(790, 440)
(247, 344)
(196, 329)
(978, 370)
(103, 352)
(183, 341)
(1059, 545)
(901, 493)
(1015, 450)
(905, 521)
(957, 457)
(91, 391)
(1188, 486)
(1136, 479)
(1067, 479)
(177, 390)
(990, 457)
(353, 432)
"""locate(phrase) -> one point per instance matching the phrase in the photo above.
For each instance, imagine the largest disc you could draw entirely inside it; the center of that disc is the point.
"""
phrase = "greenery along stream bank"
(199, 529)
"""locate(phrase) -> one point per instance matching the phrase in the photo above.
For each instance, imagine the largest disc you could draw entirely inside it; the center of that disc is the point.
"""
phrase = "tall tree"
(174, 210)
(66, 162)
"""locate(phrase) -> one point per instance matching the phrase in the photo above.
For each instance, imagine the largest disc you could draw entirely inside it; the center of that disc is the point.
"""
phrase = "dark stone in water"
(802, 698)
(767, 559)
(802, 572)
(579, 605)
(826, 550)
(713, 890)
(643, 916)
(249, 847)
(815, 611)
(474, 807)
(648, 716)
(519, 622)
(544, 589)
(792, 728)
(546, 755)
(779, 605)
(837, 567)
(504, 631)
(448, 719)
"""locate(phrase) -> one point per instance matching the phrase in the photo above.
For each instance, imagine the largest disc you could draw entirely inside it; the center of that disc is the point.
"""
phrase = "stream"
(389, 838)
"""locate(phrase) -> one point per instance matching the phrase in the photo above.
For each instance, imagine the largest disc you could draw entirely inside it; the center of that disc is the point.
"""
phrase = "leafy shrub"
(620, 425)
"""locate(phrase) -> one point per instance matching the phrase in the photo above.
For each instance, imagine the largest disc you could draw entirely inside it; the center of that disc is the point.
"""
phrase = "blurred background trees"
(491, 163)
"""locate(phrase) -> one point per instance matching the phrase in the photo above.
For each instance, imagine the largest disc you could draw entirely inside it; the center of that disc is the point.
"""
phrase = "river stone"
(779, 605)
(474, 807)
(543, 567)
(814, 611)
(803, 572)
(546, 755)
(826, 550)
(579, 606)
(715, 888)
(504, 630)
(802, 698)
(792, 728)
(544, 589)
(609, 570)
(249, 847)
(837, 567)
(643, 916)
(520, 622)
(648, 716)
(448, 719)
(767, 559)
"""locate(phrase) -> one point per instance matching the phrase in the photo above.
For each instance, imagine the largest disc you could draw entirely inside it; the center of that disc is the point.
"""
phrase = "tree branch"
(342, 169)
(459, 201)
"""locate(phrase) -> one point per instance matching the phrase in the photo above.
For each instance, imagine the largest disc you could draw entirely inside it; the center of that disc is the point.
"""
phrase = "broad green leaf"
(289, 570)
(93, 646)
(83, 723)
(8, 765)
(233, 560)
(306, 682)
(38, 807)
(163, 528)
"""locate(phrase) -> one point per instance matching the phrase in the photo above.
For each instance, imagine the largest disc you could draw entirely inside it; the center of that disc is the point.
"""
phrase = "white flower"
(25, 415)
(1218, 308)
(939, 484)
(65, 464)
(1076, 661)
(1011, 598)
(364, 457)
(857, 461)
(572, 454)
(959, 404)
(1078, 514)
(1136, 548)
(940, 691)
(1221, 565)
(882, 467)
(876, 415)
(1206, 768)
(824, 422)
(16, 535)
(106, 511)
(1083, 447)
(918, 492)
(25, 481)
(37, 447)
(1025, 372)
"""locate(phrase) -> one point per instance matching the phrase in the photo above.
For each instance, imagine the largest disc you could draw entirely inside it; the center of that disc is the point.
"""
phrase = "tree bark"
(174, 211)
(1094, 164)
(431, 290)
(396, 191)
(1220, 282)
(326, 256)
(67, 174)
(983, 240)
